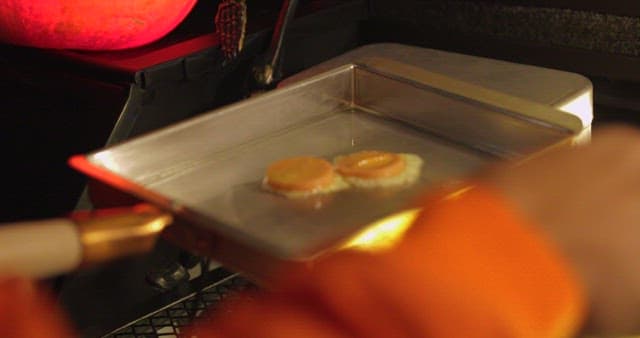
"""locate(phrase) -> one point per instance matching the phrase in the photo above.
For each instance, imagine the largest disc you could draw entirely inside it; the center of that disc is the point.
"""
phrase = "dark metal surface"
(210, 168)
(170, 321)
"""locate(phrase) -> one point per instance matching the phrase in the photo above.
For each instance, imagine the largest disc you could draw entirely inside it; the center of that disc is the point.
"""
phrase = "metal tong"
(268, 71)
(231, 23)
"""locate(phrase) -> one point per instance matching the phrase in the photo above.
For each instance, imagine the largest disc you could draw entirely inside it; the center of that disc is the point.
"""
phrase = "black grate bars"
(169, 322)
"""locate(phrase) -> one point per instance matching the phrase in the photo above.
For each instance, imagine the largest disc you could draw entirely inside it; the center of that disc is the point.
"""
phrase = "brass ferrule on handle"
(46, 248)
(120, 234)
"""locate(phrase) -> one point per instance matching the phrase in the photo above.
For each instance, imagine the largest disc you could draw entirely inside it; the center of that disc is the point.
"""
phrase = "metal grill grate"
(168, 322)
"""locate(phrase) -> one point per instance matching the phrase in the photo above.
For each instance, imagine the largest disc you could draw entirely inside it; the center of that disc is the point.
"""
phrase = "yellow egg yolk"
(370, 164)
(300, 174)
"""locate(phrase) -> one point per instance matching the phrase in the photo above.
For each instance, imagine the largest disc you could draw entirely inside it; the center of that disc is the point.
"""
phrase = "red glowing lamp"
(89, 24)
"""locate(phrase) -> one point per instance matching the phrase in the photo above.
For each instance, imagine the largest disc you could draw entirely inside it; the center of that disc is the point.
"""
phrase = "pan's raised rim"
(388, 68)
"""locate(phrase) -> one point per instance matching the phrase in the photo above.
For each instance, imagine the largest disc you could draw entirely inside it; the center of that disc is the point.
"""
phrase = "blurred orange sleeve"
(28, 312)
(468, 267)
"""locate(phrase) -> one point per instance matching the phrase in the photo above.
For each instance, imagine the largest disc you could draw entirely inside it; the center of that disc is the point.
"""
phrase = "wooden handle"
(47, 248)
(39, 249)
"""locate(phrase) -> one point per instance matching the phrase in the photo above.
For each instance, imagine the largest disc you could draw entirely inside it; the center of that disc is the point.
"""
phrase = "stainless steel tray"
(208, 170)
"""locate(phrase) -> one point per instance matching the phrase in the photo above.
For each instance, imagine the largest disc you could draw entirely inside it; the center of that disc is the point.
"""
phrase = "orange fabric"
(26, 312)
(469, 267)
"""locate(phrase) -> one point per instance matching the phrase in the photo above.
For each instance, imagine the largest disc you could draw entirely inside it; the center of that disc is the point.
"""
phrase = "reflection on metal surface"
(581, 106)
(542, 85)
(484, 100)
(212, 165)
(119, 234)
(108, 161)
(167, 275)
(385, 233)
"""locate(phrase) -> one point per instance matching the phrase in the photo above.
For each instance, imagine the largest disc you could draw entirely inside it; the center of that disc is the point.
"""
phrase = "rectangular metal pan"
(209, 170)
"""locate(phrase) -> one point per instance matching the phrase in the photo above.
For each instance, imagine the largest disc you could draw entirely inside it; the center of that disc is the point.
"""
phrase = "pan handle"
(41, 249)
